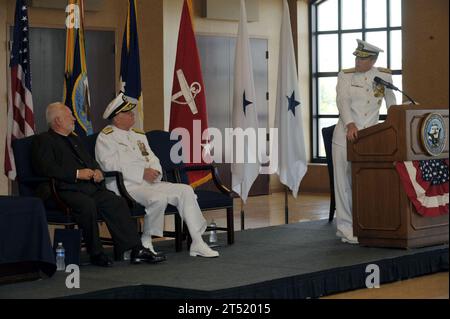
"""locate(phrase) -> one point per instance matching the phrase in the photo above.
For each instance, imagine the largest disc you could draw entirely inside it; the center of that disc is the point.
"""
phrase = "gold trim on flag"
(201, 181)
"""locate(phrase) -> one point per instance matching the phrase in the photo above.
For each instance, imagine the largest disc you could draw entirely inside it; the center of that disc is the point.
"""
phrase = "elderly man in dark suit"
(59, 154)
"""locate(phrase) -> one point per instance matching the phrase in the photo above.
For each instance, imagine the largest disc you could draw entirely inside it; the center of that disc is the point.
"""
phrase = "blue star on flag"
(292, 103)
(245, 103)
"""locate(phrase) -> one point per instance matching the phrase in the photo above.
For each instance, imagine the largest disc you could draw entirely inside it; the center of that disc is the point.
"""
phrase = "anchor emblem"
(188, 92)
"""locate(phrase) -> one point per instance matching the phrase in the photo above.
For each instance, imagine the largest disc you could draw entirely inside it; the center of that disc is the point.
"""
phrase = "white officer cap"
(365, 49)
(121, 103)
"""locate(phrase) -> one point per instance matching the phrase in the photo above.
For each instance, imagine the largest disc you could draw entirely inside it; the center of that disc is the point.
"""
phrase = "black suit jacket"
(59, 157)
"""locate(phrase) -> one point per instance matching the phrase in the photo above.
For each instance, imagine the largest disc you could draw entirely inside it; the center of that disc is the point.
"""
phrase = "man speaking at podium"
(359, 99)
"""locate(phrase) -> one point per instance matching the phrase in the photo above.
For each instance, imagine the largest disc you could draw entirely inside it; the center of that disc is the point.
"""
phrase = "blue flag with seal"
(130, 67)
(76, 85)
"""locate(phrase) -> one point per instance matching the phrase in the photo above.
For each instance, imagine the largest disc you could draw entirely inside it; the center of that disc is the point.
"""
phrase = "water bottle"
(127, 255)
(213, 233)
(60, 257)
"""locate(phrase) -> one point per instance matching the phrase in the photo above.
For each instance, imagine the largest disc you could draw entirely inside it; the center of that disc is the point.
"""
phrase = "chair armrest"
(207, 167)
(54, 194)
(215, 175)
(59, 202)
(121, 187)
(32, 180)
(218, 182)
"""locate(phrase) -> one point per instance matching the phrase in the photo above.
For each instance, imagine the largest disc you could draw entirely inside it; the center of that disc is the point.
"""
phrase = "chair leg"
(332, 207)
(178, 233)
(230, 226)
(117, 255)
(139, 225)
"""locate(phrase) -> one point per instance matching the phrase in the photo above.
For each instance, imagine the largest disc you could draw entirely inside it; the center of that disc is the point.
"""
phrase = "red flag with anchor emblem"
(188, 107)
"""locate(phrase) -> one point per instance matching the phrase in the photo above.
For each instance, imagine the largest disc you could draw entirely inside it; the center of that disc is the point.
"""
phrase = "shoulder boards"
(352, 70)
(107, 130)
(73, 133)
(385, 70)
(136, 130)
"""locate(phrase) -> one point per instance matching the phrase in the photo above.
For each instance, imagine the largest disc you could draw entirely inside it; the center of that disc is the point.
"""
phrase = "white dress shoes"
(347, 238)
(352, 240)
(202, 249)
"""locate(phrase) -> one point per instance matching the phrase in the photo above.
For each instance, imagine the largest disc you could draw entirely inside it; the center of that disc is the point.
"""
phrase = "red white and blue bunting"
(426, 184)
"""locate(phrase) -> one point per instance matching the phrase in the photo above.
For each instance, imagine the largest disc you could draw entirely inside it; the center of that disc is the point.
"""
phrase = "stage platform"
(302, 260)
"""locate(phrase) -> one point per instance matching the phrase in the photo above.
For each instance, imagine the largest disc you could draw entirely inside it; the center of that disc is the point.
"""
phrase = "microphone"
(385, 83)
(392, 87)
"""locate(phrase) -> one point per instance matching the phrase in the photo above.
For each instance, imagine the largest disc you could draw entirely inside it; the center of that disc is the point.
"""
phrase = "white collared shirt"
(359, 100)
(127, 152)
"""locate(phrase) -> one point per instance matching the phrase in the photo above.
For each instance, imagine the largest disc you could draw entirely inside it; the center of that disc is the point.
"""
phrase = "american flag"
(20, 101)
(426, 184)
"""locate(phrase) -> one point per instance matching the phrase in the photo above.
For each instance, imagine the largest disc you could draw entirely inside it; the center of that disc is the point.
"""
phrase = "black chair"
(161, 144)
(327, 135)
(137, 210)
(58, 213)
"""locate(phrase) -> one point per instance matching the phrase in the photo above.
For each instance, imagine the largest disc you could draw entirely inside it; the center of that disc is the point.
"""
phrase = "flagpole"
(242, 215)
(286, 206)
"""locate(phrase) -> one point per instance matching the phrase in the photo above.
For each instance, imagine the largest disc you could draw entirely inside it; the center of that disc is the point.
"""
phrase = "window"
(335, 26)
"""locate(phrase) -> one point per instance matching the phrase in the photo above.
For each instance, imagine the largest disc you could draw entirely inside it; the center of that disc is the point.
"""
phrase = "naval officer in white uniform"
(358, 100)
(122, 148)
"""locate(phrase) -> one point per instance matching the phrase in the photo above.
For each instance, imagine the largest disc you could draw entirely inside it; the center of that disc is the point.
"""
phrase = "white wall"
(172, 14)
(303, 70)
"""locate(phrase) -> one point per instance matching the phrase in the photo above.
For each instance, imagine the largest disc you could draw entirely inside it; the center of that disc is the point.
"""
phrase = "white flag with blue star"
(245, 114)
(288, 117)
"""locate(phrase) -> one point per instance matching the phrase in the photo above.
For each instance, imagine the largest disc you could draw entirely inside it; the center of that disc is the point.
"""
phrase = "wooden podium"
(383, 216)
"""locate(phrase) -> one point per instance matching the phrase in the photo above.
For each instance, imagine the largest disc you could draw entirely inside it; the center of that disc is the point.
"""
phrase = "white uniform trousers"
(155, 198)
(343, 191)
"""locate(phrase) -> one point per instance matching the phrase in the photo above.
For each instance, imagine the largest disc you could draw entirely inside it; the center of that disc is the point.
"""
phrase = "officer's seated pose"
(122, 148)
(359, 99)
(60, 154)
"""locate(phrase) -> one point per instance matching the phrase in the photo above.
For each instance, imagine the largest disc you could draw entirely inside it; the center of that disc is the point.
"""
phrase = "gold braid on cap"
(125, 107)
(364, 53)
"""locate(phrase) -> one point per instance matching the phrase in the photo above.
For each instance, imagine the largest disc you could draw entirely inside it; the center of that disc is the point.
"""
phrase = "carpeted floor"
(287, 261)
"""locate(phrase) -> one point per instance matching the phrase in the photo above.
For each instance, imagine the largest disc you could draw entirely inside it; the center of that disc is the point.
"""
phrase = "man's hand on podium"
(352, 132)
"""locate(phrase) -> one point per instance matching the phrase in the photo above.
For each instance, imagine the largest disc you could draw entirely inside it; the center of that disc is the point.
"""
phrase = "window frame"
(314, 54)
